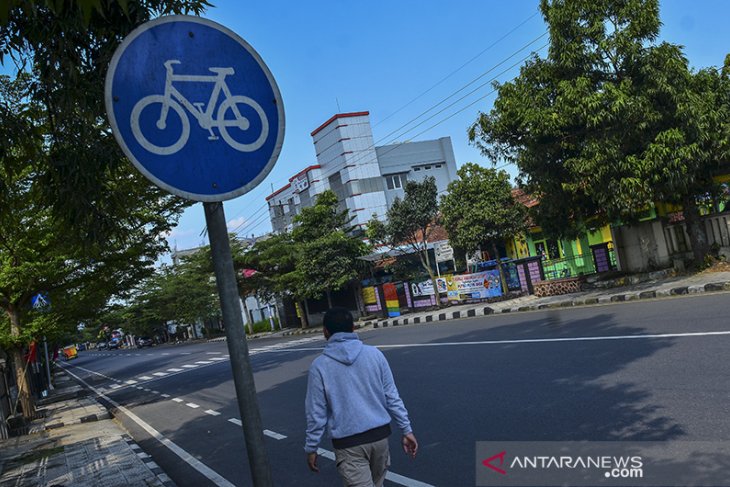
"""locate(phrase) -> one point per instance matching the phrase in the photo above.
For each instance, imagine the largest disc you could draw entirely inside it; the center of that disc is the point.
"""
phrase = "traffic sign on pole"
(197, 111)
(195, 108)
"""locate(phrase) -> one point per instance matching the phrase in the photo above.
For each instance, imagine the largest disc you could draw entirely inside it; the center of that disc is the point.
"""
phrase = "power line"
(357, 158)
(459, 68)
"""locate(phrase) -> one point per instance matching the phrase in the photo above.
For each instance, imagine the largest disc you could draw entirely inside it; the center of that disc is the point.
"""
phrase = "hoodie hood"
(343, 347)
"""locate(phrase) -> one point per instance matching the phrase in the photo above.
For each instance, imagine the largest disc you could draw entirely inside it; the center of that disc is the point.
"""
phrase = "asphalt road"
(558, 375)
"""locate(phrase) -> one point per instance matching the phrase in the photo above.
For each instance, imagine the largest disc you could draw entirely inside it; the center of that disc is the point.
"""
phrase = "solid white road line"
(274, 435)
(212, 413)
(235, 421)
(566, 339)
(530, 340)
(408, 482)
(203, 469)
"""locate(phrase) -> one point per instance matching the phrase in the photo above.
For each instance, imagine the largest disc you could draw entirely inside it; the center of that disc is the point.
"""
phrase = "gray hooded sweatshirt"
(350, 391)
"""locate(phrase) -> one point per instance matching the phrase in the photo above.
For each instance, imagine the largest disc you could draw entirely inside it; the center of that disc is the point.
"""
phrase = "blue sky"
(334, 56)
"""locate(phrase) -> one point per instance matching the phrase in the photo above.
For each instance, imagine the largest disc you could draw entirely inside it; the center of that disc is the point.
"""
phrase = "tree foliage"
(479, 210)
(409, 223)
(610, 121)
(184, 293)
(76, 221)
(328, 251)
(319, 256)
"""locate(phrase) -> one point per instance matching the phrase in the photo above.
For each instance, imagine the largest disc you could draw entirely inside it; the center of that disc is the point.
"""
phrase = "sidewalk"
(649, 289)
(75, 444)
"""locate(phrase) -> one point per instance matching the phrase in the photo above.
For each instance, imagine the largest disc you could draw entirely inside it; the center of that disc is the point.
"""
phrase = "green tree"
(610, 121)
(274, 260)
(409, 223)
(328, 250)
(76, 221)
(319, 256)
(478, 209)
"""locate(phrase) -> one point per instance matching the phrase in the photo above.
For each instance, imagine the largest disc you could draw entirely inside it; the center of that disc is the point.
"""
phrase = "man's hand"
(410, 445)
(312, 462)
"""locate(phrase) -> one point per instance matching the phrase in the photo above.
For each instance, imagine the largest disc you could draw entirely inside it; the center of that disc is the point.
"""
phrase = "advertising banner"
(480, 285)
(425, 288)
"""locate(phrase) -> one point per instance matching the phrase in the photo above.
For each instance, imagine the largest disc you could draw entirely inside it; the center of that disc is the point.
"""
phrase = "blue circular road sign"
(194, 108)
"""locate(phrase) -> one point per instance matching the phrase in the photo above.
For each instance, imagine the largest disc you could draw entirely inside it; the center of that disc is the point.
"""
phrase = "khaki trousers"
(364, 465)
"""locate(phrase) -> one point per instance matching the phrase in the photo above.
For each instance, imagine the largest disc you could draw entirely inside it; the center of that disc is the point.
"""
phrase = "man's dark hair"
(338, 320)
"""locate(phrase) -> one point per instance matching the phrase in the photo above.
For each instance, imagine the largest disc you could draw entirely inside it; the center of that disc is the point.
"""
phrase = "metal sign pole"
(237, 347)
(48, 364)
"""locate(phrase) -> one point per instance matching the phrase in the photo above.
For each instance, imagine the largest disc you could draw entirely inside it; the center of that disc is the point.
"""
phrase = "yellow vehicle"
(70, 352)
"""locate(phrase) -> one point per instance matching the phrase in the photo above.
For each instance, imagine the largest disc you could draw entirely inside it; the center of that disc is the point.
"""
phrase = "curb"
(442, 315)
(84, 419)
(149, 463)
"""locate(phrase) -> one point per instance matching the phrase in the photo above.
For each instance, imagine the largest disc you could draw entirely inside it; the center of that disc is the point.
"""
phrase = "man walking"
(351, 392)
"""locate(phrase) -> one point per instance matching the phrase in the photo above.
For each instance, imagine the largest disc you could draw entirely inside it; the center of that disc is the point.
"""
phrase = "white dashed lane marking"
(189, 366)
(174, 370)
(274, 435)
(165, 395)
(130, 382)
(192, 405)
(177, 399)
(204, 362)
(160, 374)
(144, 377)
(212, 413)
(235, 421)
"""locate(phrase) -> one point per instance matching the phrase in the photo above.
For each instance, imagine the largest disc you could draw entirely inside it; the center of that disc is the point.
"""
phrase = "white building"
(365, 178)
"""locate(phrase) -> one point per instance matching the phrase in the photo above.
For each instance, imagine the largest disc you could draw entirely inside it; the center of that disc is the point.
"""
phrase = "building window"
(426, 168)
(416, 168)
(437, 166)
(393, 181)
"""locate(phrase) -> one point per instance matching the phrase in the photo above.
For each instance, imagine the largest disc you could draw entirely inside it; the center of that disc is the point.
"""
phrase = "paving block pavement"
(76, 444)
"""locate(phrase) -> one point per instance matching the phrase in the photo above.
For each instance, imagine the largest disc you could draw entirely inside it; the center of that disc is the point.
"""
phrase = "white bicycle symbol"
(172, 98)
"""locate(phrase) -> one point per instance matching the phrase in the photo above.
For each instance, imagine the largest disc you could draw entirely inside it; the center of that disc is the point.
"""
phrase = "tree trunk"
(502, 280)
(696, 231)
(25, 398)
(249, 319)
(357, 290)
(329, 299)
(426, 263)
(304, 312)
